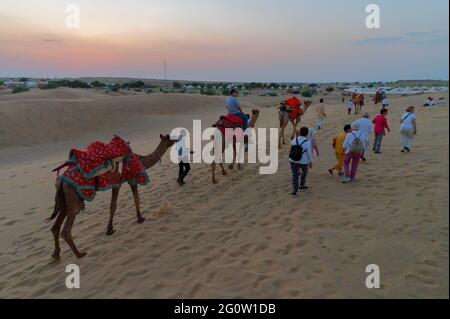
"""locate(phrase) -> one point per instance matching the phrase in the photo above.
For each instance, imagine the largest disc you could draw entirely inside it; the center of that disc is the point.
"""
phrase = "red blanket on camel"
(96, 168)
(293, 107)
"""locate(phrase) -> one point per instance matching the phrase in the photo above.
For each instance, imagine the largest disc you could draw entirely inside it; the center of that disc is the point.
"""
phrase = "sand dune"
(245, 237)
(51, 116)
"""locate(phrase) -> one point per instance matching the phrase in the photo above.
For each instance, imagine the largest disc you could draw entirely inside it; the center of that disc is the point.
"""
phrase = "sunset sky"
(228, 40)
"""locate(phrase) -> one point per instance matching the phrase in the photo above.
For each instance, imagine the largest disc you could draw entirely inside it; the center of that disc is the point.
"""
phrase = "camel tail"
(59, 202)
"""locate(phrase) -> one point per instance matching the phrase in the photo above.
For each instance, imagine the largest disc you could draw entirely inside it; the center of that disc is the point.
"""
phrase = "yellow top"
(339, 142)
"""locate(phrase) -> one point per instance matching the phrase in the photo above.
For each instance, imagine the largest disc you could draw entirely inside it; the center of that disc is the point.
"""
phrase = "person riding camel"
(292, 106)
(234, 108)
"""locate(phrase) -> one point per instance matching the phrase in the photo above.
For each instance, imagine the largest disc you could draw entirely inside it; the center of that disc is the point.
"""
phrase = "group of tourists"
(351, 145)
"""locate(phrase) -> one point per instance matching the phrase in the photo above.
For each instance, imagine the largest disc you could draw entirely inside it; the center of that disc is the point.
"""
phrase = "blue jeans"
(244, 118)
(296, 168)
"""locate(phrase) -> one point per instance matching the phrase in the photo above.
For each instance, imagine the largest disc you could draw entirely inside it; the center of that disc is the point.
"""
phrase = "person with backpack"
(354, 146)
(408, 129)
(300, 158)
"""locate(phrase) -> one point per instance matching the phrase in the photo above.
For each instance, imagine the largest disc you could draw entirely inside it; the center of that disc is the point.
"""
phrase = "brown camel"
(284, 118)
(377, 98)
(68, 203)
(253, 119)
(358, 102)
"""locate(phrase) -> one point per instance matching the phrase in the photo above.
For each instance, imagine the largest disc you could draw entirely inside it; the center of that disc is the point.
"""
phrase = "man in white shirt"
(365, 127)
(408, 129)
(354, 146)
(304, 164)
(385, 103)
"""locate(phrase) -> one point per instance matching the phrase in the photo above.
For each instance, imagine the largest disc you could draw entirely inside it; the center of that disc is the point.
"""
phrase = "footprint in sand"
(11, 223)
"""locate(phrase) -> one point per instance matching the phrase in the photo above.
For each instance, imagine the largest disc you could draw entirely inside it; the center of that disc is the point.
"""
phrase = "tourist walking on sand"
(300, 158)
(365, 127)
(234, 107)
(380, 123)
(408, 129)
(339, 151)
(349, 106)
(320, 112)
(313, 141)
(354, 148)
(183, 157)
(385, 102)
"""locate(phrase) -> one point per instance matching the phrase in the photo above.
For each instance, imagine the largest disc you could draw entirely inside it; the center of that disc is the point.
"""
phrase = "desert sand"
(243, 238)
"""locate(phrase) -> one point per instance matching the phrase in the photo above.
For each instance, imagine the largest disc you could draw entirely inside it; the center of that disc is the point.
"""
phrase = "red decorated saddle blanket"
(97, 168)
(231, 121)
(293, 107)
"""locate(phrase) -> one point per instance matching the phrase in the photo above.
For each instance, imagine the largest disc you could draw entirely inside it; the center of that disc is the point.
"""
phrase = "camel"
(253, 119)
(284, 118)
(68, 203)
(358, 102)
(377, 98)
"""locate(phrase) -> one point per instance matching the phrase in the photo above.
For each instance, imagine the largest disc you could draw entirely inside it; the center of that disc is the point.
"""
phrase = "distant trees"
(329, 89)
(97, 84)
(115, 88)
(176, 85)
(133, 85)
(24, 79)
(66, 83)
(307, 93)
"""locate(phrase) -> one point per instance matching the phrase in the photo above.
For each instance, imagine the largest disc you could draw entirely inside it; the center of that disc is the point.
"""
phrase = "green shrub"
(19, 89)
(209, 92)
(307, 93)
(273, 94)
(329, 89)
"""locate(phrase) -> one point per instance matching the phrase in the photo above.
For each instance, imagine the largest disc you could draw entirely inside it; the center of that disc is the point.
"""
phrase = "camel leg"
(112, 210)
(294, 125)
(224, 172)
(73, 207)
(235, 160)
(56, 228)
(213, 172)
(231, 166)
(137, 202)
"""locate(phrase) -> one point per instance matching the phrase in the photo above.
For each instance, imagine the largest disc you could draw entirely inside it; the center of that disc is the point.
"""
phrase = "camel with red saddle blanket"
(97, 169)
(291, 110)
(232, 122)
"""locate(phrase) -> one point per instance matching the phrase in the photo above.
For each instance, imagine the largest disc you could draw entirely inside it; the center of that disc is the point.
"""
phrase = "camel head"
(254, 117)
(166, 140)
(307, 104)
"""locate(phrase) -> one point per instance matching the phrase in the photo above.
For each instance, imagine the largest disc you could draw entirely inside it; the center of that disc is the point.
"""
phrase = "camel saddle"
(96, 168)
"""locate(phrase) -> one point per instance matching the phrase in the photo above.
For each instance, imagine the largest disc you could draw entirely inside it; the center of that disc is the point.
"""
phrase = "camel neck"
(155, 157)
